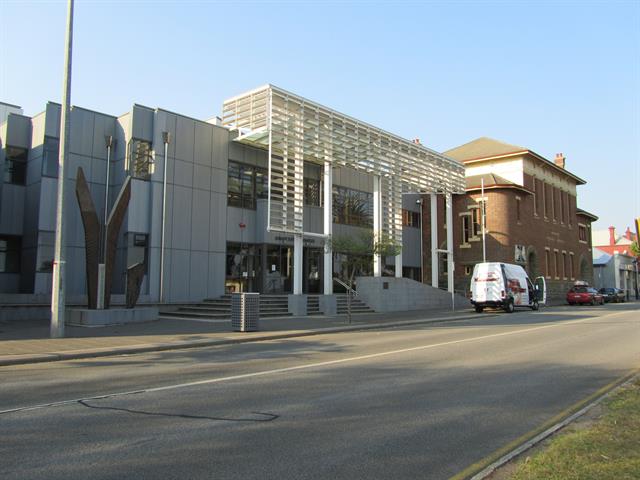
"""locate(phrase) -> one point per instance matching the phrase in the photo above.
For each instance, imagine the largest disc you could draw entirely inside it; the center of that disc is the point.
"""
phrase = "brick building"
(532, 218)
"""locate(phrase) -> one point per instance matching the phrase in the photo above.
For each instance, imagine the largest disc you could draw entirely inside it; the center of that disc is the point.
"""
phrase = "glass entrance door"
(312, 270)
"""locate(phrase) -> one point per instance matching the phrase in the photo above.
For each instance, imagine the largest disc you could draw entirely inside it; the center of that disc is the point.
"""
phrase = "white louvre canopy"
(295, 130)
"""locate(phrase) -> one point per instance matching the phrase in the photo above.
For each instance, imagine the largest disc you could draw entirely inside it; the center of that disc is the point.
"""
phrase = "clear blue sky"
(550, 76)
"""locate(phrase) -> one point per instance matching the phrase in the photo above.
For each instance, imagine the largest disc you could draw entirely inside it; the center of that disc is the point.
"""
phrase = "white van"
(505, 286)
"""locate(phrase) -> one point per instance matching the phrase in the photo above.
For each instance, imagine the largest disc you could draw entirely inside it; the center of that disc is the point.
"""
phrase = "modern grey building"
(223, 231)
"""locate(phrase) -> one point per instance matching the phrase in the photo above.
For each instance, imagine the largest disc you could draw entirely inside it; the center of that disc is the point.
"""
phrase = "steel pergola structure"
(295, 130)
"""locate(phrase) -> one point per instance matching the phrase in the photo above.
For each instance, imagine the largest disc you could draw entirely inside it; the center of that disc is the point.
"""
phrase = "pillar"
(297, 263)
(327, 215)
(377, 224)
(450, 264)
(434, 240)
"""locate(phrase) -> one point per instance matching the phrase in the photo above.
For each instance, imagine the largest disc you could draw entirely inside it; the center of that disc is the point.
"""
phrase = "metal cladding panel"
(295, 130)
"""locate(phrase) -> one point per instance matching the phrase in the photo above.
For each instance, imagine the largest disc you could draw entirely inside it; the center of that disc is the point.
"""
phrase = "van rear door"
(541, 290)
(487, 283)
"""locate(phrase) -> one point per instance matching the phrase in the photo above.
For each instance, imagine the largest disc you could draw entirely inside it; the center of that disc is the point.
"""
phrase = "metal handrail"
(348, 288)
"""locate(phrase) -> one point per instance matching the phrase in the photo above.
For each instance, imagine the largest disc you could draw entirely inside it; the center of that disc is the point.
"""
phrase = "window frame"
(6, 252)
(15, 167)
(146, 160)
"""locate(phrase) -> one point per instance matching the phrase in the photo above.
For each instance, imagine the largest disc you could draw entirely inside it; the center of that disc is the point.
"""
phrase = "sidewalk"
(24, 342)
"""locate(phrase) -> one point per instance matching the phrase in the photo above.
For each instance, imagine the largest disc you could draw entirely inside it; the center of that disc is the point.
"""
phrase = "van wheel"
(509, 307)
(535, 305)
(479, 309)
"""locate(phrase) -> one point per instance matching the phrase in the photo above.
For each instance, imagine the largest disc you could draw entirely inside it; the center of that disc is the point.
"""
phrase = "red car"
(584, 295)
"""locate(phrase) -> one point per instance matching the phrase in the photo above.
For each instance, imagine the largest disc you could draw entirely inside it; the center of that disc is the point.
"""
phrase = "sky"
(560, 76)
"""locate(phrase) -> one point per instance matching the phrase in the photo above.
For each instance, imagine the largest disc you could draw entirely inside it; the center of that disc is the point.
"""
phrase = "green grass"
(608, 449)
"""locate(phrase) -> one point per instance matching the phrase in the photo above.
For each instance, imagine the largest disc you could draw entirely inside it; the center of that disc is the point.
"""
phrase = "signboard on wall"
(520, 254)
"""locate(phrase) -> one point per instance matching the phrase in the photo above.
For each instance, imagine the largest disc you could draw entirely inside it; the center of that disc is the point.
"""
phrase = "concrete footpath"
(23, 342)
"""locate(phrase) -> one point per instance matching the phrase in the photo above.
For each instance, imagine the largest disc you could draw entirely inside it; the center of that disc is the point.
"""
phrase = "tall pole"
(101, 266)
(166, 138)
(484, 242)
(58, 286)
(421, 202)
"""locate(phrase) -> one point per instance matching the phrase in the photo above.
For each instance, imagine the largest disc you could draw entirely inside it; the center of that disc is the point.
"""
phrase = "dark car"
(612, 294)
(584, 295)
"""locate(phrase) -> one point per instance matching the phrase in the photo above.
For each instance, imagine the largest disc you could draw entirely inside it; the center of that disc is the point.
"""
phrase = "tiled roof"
(482, 147)
(491, 180)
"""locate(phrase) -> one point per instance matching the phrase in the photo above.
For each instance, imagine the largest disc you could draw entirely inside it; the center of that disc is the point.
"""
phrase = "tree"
(635, 249)
(358, 251)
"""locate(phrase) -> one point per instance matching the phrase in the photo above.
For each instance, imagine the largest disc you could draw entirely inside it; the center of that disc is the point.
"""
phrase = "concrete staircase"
(357, 305)
(313, 305)
(220, 308)
(270, 306)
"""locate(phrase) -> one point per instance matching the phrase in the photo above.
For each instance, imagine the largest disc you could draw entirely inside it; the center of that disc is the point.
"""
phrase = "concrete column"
(399, 266)
(297, 264)
(450, 264)
(377, 224)
(434, 240)
(327, 214)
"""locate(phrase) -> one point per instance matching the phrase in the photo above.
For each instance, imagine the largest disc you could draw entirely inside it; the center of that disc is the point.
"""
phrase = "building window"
(10, 248)
(352, 207)
(312, 192)
(570, 219)
(518, 213)
(561, 205)
(535, 198)
(262, 183)
(140, 159)
(241, 186)
(50, 152)
(545, 200)
(582, 233)
(15, 165)
(546, 263)
(410, 219)
(476, 232)
(466, 228)
(571, 265)
(552, 195)
(556, 267)
(564, 265)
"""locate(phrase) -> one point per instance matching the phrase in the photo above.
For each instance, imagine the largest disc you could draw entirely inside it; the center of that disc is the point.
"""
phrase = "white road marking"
(305, 366)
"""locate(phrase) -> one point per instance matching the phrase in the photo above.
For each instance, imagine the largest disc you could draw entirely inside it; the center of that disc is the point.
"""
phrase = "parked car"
(584, 295)
(612, 294)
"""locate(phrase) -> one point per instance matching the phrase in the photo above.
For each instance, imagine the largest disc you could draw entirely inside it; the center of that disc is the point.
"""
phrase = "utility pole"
(484, 241)
(58, 288)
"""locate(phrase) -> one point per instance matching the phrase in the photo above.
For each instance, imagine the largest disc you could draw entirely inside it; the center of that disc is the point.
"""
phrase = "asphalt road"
(412, 402)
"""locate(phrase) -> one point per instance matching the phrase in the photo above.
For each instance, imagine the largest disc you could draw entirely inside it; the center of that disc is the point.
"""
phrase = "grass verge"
(606, 449)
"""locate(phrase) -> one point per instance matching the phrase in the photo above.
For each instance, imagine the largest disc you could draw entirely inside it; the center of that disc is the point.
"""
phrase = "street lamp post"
(58, 292)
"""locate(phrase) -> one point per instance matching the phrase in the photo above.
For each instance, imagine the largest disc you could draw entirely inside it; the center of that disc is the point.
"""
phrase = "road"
(423, 401)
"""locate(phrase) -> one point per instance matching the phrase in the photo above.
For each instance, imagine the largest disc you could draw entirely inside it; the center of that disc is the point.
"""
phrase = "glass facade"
(246, 184)
(352, 207)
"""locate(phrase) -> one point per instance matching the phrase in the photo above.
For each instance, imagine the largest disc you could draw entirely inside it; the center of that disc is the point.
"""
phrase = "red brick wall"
(504, 231)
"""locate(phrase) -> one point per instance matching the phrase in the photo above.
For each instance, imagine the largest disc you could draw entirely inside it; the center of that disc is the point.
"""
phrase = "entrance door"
(312, 270)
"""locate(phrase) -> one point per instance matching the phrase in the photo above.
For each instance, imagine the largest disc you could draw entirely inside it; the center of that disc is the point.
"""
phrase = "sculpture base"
(114, 316)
